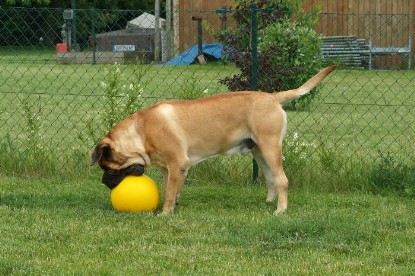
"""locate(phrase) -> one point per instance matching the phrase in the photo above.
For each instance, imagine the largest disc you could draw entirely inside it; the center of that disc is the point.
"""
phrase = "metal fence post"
(254, 77)
(93, 35)
(74, 27)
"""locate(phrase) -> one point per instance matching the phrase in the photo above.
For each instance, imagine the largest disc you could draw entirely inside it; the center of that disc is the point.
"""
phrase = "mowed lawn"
(67, 227)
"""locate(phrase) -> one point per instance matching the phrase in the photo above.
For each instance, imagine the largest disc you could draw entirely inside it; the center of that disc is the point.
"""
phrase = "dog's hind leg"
(270, 153)
(256, 153)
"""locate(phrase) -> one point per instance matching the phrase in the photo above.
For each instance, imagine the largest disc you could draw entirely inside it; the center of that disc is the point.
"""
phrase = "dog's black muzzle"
(112, 178)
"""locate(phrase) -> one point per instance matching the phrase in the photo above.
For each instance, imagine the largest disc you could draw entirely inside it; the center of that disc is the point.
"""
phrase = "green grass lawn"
(66, 227)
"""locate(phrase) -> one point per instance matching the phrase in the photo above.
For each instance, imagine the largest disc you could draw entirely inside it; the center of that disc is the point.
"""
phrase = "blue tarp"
(189, 56)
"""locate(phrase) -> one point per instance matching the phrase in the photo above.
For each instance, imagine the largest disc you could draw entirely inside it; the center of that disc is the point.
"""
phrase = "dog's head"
(116, 165)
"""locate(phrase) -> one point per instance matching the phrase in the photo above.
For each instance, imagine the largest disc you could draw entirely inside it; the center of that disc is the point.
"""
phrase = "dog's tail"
(306, 87)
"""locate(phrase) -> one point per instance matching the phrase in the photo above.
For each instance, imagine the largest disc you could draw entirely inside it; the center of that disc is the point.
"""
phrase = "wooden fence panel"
(204, 9)
(388, 22)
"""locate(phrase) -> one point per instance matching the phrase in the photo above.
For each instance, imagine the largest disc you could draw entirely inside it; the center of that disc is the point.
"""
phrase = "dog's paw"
(165, 214)
(270, 198)
(166, 211)
(279, 212)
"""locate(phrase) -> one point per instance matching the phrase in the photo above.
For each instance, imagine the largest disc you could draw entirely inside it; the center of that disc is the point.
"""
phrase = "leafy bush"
(293, 54)
(289, 48)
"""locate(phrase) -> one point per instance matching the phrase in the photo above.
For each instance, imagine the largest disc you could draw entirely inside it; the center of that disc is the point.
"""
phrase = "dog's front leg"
(174, 177)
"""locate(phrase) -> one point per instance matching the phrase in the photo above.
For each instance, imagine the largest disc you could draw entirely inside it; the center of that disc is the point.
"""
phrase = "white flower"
(295, 136)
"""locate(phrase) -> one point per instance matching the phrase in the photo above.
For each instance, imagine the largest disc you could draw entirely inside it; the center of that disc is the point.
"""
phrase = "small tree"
(289, 48)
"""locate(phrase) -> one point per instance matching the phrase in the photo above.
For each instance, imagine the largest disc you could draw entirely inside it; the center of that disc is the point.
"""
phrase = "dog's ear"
(99, 152)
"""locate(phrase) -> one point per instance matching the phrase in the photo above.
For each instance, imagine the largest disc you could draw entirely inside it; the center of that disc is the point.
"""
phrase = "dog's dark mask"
(112, 178)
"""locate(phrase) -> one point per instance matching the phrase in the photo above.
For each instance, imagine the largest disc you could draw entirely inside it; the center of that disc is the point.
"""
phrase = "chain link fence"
(67, 76)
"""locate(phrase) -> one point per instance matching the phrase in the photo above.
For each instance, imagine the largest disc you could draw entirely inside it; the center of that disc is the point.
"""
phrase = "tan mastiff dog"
(178, 134)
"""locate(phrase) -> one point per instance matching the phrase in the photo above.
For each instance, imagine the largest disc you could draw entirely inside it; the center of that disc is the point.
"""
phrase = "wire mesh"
(63, 83)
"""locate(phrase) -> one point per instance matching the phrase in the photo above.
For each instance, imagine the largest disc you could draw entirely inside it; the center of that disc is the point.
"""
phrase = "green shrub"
(289, 48)
(293, 51)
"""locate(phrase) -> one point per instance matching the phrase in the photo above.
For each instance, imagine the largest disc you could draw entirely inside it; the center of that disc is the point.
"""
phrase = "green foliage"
(297, 152)
(34, 157)
(312, 164)
(289, 48)
(122, 97)
(28, 3)
(390, 174)
(85, 4)
(191, 90)
(316, 165)
(293, 52)
(49, 22)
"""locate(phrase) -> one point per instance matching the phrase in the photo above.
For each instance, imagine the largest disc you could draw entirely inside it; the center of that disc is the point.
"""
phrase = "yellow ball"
(135, 194)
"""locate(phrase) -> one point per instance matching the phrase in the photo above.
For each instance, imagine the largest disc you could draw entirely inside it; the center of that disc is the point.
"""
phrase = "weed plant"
(191, 89)
(122, 97)
(34, 158)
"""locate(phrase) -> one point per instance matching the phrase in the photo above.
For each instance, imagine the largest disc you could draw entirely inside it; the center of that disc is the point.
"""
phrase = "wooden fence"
(388, 23)
(199, 8)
